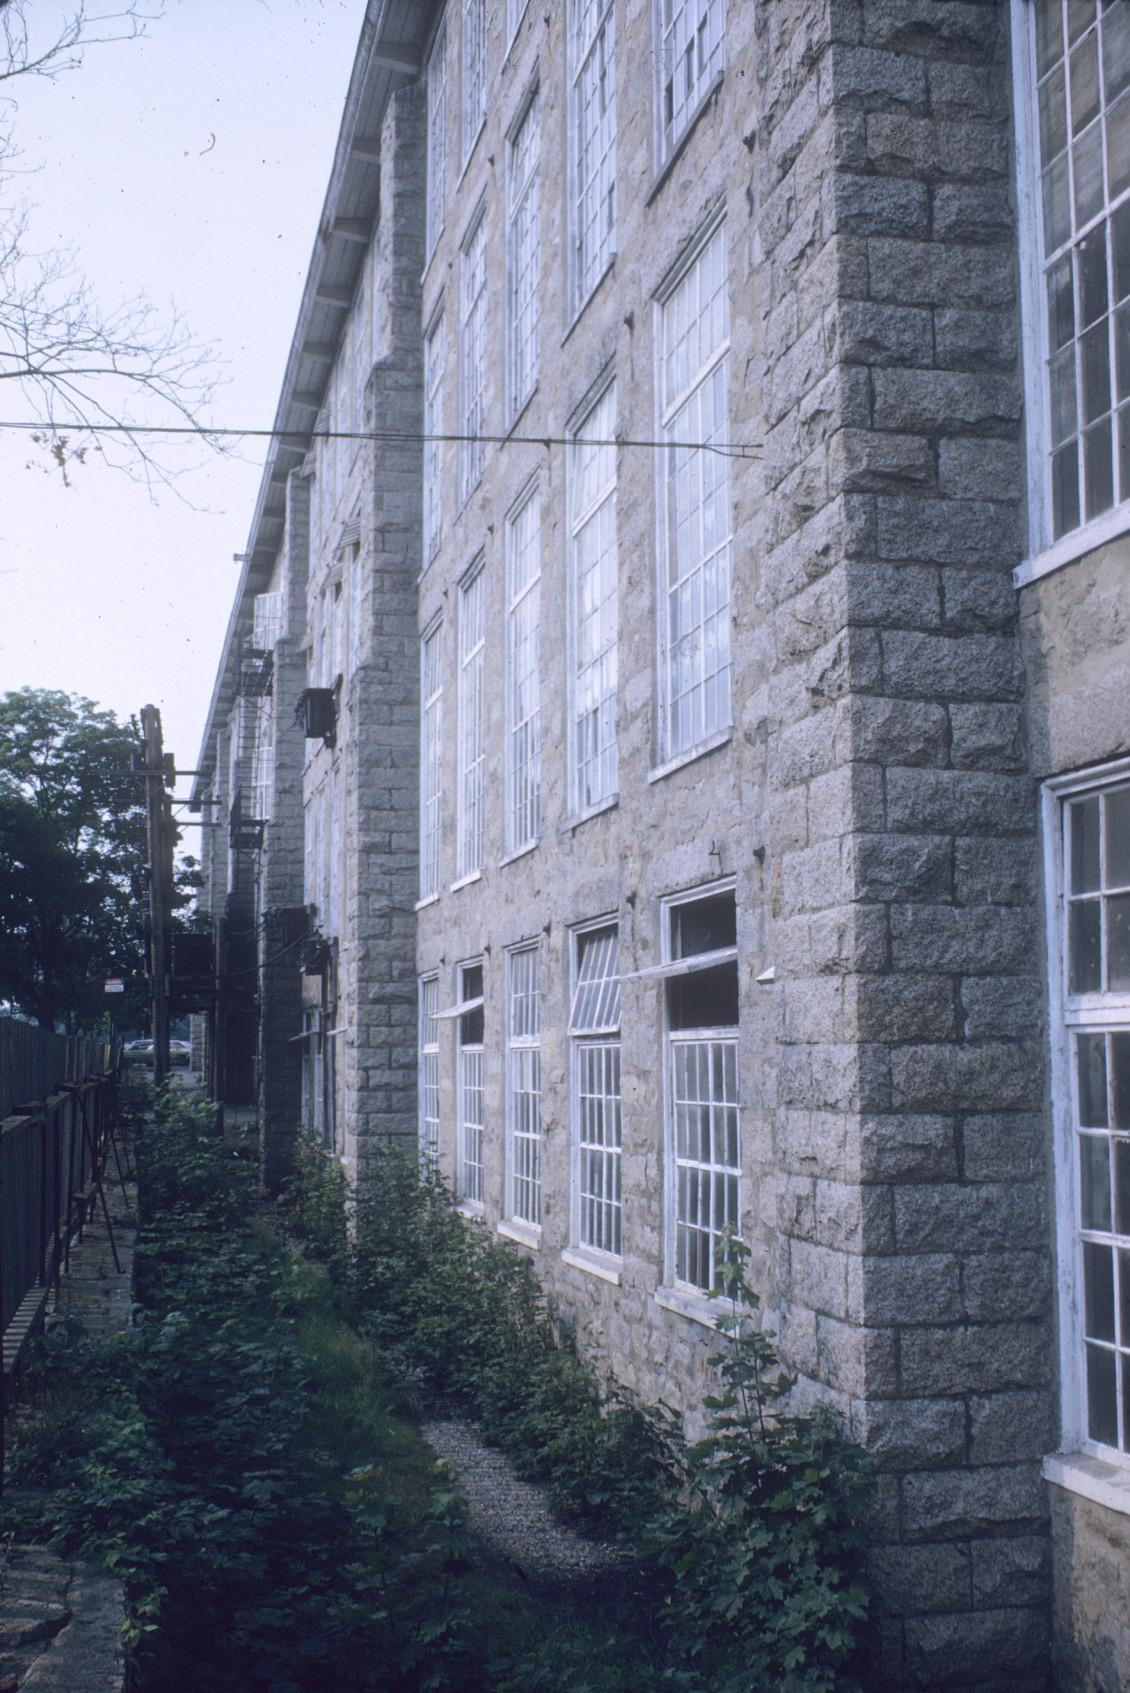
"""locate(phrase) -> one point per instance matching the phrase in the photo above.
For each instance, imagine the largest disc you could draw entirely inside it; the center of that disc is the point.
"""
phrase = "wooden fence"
(58, 1100)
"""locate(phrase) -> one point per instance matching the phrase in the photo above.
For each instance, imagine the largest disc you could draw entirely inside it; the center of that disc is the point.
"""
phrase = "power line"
(390, 437)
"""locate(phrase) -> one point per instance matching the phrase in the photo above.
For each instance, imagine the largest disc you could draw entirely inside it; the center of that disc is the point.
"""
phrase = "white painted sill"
(472, 1209)
(524, 1234)
(1096, 1479)
(465, 881)
(694, 1306)
(519, 852)
(1074, 546)
(605, 1269)
(568, 824)
(432, 899)
(700, 750)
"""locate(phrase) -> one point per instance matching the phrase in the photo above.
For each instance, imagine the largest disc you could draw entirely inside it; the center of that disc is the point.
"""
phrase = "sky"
(188, 167)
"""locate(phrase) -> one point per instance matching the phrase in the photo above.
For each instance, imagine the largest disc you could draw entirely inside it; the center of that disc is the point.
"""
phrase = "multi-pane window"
(469, 1182)
(263, 758)
(1096, 901)
(523, 1087)
(592, 45)
(1082, 68)
(695, 630)
(702, 1024)
(594, 1024)
(435, 350)
(437, 139)
(523, 259)
(523, 751)
(690, 57)
(472, 632)
(429, 1069)
(594, 603)
(474, 101)
(472, 360)
(431, 772)
(514, 11)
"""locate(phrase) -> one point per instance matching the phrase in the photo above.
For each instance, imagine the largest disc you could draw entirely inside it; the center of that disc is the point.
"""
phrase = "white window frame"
(1100, 1471)
(705, 44)
(435, 192)
(523, 256)
(470, 1182)
(471, 705)
(523, 1085)
(473, 81)
(431, 760)
(723, 1177)
(263, 759)
(429, 1096)
(515, 12)
(472, 358)
(595, 1041)
(1045, 552)
(594, 596)
(523, 712)
(435, 360)
(681, 407)
(592, 185)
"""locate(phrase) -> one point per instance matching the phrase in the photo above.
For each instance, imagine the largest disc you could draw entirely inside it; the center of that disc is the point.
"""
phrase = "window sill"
(519, 852)
(689, 128)
(604, 1267)
(711, 744)
(465, 881)
(1097, 1479)
(432, 899)
(524, 1234)
(568, 824)
(1073, 546)
(588, 299)
(696, 1307)
(471, 1209)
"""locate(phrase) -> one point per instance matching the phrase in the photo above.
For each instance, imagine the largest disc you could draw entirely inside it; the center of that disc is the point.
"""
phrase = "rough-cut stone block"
(867, 333)
(946, 531)
(902, 145)
(981, 470)
(965, 339)
(987, 737)
(962, 1217)
(953, 1651)
(1006, 1426)
(934, 273)
(909, 1288)
(961, 800)
(978, 1357)
(980, 212)
(979, 599)
(949, 1503)
(1011, 1572)
(1001, 1007)
(994, 872)
(888, 731)
(871, 79)
(957, 667)
(1011, 1284)
(1006, 1147)
(903, 867)
(915, 1580)
(943, 401)
(953, 1077)
(911, 1434)
(903, 1008)
(908, 1148)
(876, 205)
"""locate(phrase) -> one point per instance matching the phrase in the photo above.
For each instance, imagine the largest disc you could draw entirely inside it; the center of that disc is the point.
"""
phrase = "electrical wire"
(388, 437)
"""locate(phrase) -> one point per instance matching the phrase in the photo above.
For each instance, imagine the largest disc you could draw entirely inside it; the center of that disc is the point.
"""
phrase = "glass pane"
(1125, 1403)
(1122, 349)
(1096, 372)
(704, 925)
(1118, 943)
(1090, 1062)
(1057, 205)
(1053, 117)
(1117, 829)
(1087, 169)
(1062, 373)
(1084, 83)
(1083, 974)
(1124, 452)
(1084, 820)
(1116, 51)
(1065, 489)
(1092, 275)
(1080, 15)
(1118, 146)
(1098, 1291)
(1094, 1183)
(1098, 467)
(1049, 37)
(1120, 242)
(1120, 1066)
(1102, 1417)
(1122, 1218)
(1061, 303)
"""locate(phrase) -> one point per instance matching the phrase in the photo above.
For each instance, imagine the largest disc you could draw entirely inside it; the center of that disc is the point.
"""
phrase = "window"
(429, 1069)
(472, 629)
(431, 772)
(469, 1184)
(594, 1024)
(695, 628)
(523, 754)
(472, 361)
(437, 140)
(690, 58)
(514, 11)
(594, 603)
(1079, 60)
(1093, 969)
(434, 359)
(523, 1086)
(263, 758)
(702, 1083)
(594, 143)
(523, 260)
(474, 72)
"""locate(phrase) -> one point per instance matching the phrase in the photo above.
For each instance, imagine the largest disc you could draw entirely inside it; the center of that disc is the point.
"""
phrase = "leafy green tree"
(72, 857)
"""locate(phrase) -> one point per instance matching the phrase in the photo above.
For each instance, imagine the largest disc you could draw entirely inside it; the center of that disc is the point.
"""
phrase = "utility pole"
(160, 843)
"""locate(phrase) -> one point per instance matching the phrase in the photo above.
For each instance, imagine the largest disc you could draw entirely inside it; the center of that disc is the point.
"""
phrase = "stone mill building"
(673, 733)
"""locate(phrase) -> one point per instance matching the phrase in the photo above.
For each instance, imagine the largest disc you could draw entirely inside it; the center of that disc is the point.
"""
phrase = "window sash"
(596, 996)
(431, 766)
(524, 259)
(434, 361)
(595, 605)
(523, 1113)
(472, 393)
(472, 673)
(594, 138)
(706, 1136)
(429, 1069)
(523, 738)
(474, 72)
(598, 1139)
(692, 49)
(471, 1124)
(437, 141)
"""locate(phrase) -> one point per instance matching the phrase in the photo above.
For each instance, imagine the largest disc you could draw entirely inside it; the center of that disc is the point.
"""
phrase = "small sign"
(115, 985)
